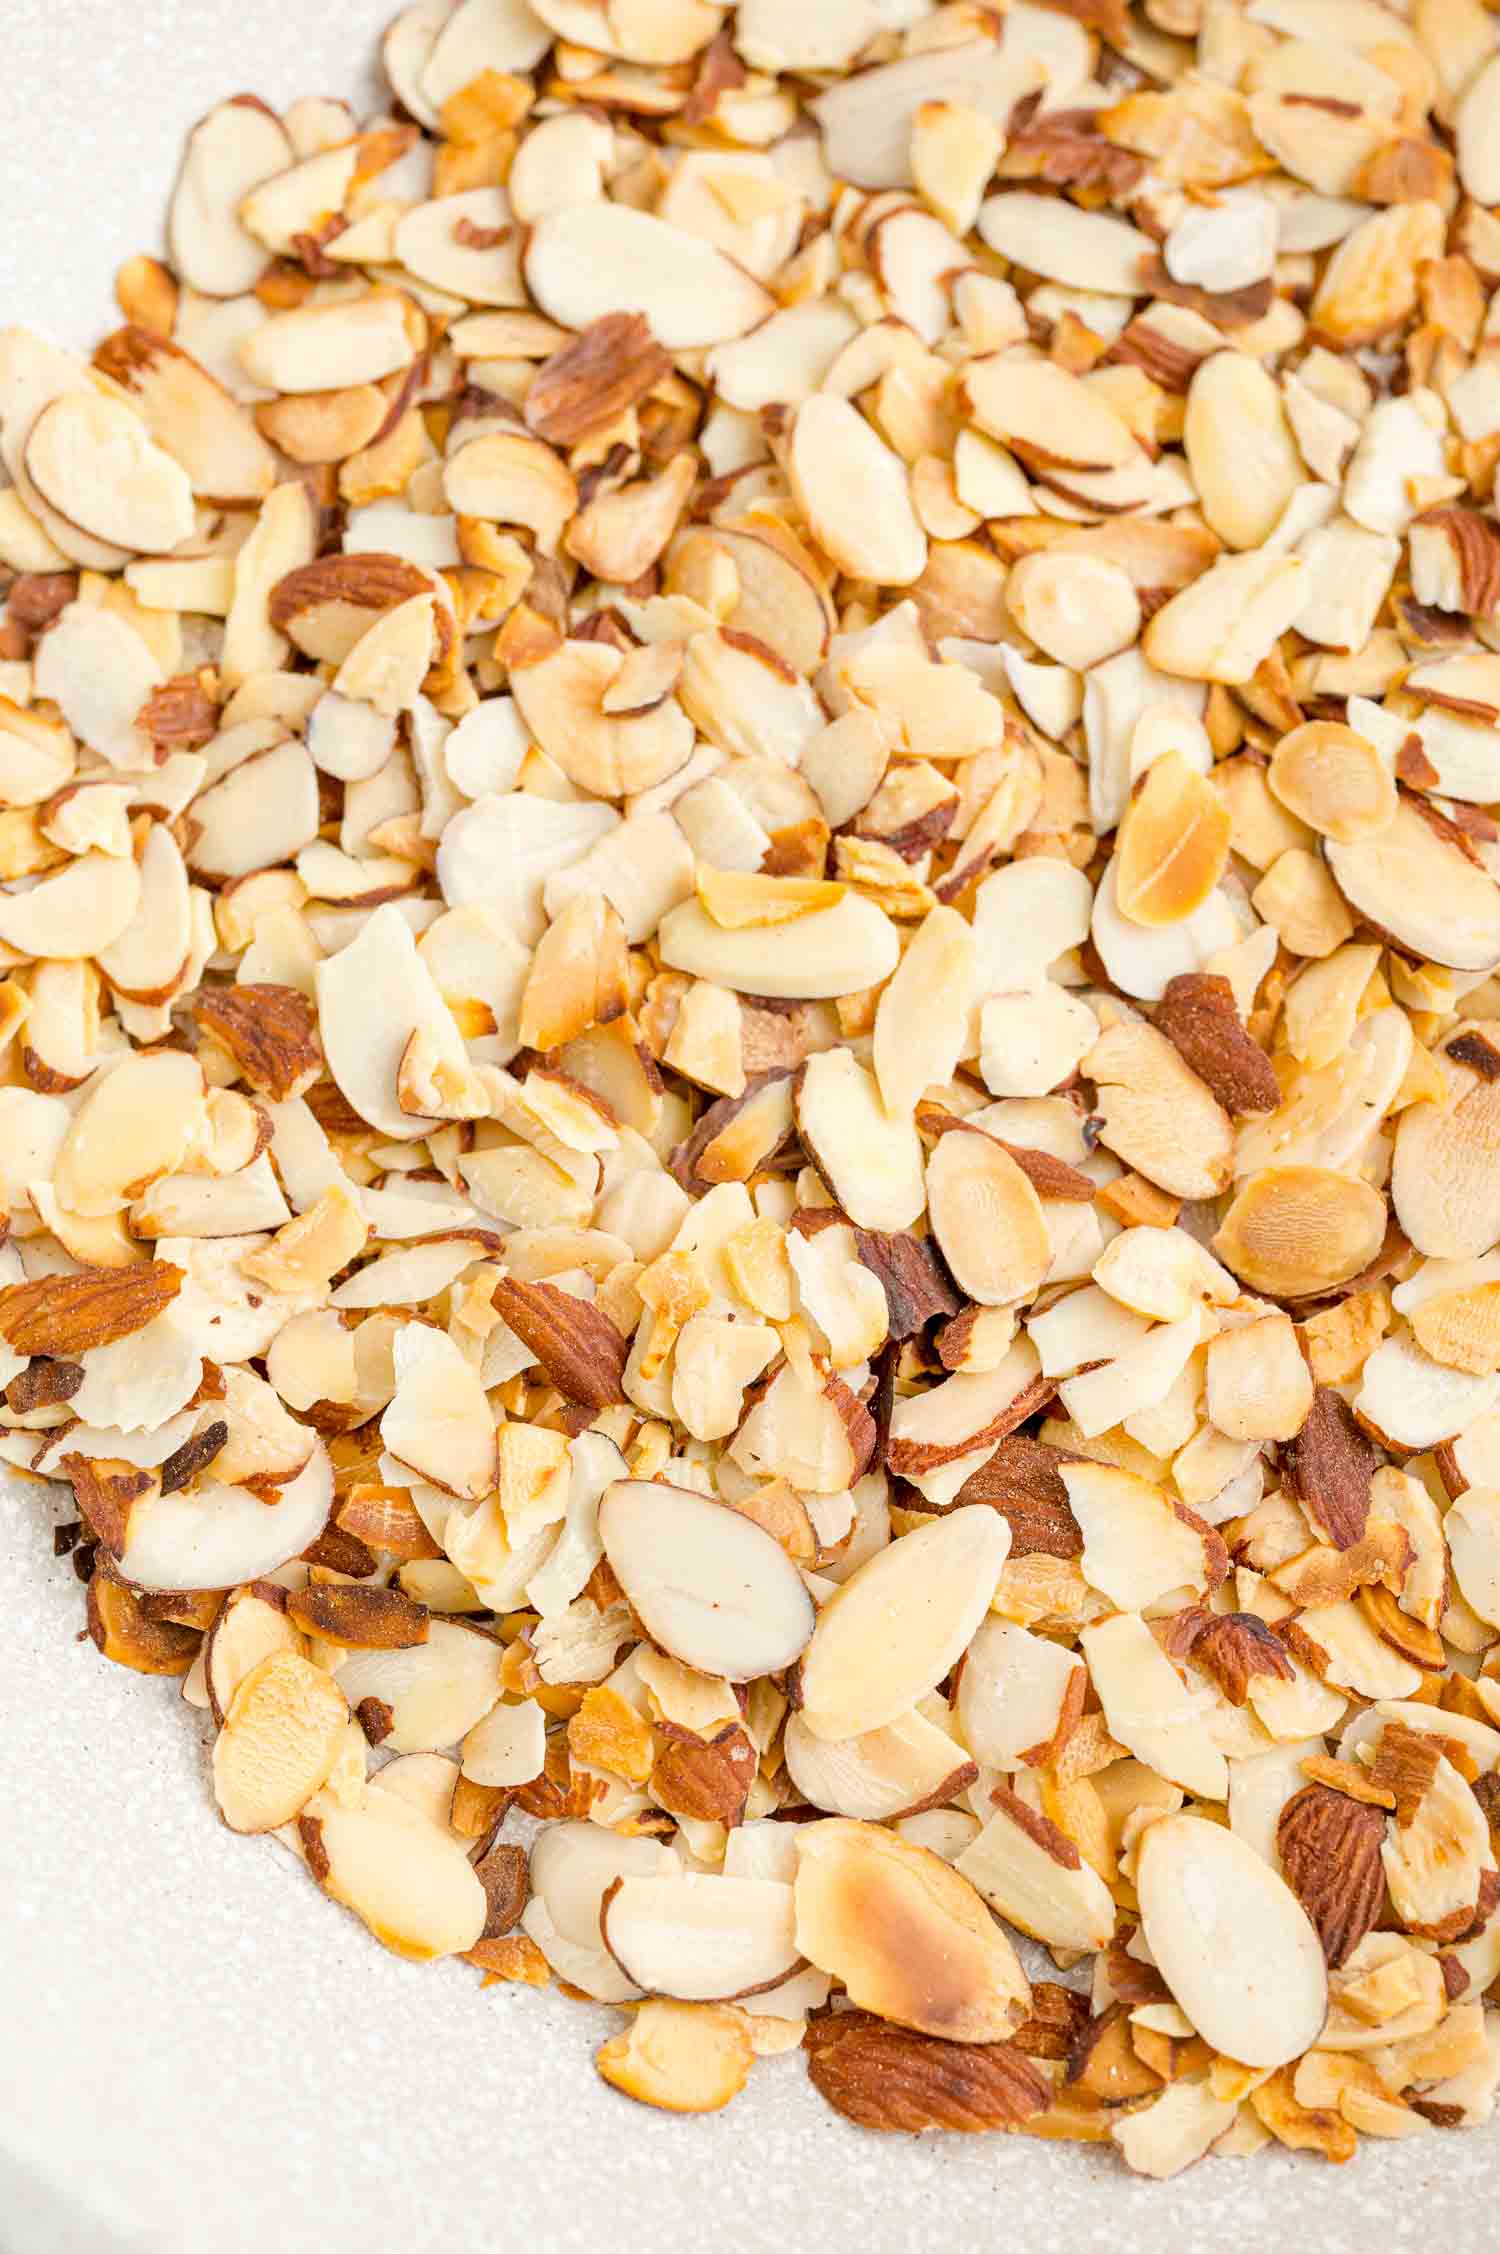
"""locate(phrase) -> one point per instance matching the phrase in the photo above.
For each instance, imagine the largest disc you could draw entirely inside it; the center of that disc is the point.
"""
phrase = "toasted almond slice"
(436, 1691)
(1135, 1546)
(1232, 1941)
(908, 1936)
(701, 1939)
(1224, 625)
(922, 1023)
(685, 2058)
(1158, 1116)
(228, 153)
(854, 493)
(136, 1124)
(712, 1588)
(93, 460)
(987, 1218)
(283, 1731)
(834, 951)
(882, 1774)
(1334, 780)
(1239, 449)
(1293, 1230)
(872, 1162)
(411, 1882)
(1173, 845)
(600, 258)
(507, 1746)
(856, 1676)
(561, 701)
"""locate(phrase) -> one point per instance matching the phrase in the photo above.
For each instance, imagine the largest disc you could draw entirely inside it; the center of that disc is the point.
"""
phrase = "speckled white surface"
(199, 2055)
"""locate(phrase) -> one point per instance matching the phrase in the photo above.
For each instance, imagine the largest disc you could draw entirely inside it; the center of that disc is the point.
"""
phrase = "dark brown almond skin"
(576, 1343)
(1200, 1018)
(709, 1778)
(1023, 1481)
(125, 1633)
(365, 1618)
(271, 1033)
(594, 377)
(503, 1874)
(65, 1315)
(886, 2077)
(912, 1275)
(1329, 1467)
(1234, 1647)
(1330, 1855)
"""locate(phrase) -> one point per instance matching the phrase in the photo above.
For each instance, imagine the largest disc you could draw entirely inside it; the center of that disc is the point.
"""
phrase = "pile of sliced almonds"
(750, 1032)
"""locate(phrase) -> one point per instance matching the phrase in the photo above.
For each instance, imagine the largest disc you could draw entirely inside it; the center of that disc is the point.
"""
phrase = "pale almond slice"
(871, 1161)
(987, 1218)
(1224, 625)
(92, 459)
(282, 1733)
(712, 1588)
(80, 911)
(1157, 1115)
(1135, 1546)
(1150, 1710)
(228, 153)
(907, 1936)
(1186, 2121)
(866, 119)
(435, 242)
(437, 1691)
(251, 1625)
(880, 1775)
(1232, 1941)
(833, 951)
(136, 1123)
(1016, 1695)
(573, 1864)
(854, 493)
(600, 258)
(1084, 250)
(1032, 1873)
(478, 36)
(409, 1881)
(507, 1746)
(209, 1536)
(685, 2058)
(191, 417)
(264, 811)
(372, 997)
(937, 1582)
(701, 1939)
(1046, 414)
(1413, 883)
(329, 347)
(439, 1422)
(497, 855)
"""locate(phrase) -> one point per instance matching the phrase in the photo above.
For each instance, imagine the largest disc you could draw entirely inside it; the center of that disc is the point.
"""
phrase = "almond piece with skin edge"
(1232, 1942)
(936, 1583)
(284, 1729)
(832, 951)
(881, 1775)
(411, 1883)
(987, 1218)
(1031, 1872)
(855, 494)
(701, 1939)
(708, 1585)
(905, 1934)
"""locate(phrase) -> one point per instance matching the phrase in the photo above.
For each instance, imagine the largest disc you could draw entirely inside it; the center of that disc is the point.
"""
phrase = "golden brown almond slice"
(283, 1731)
(1294, 1230)
(123, 1631)
(1333, 779)
(685, 2058)
(1173, 845)
(251, 1625)
(905, 1934)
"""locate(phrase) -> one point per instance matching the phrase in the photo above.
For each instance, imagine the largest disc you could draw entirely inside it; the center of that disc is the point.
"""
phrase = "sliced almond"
(712, 1588)
(283, 1731)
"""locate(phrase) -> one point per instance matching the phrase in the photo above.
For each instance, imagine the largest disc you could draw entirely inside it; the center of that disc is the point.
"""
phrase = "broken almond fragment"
(685, 2058)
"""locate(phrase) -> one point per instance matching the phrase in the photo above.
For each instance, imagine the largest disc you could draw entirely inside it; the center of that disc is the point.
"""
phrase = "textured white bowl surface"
(198, 2054)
